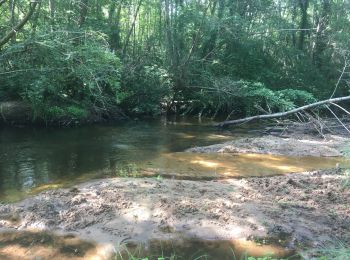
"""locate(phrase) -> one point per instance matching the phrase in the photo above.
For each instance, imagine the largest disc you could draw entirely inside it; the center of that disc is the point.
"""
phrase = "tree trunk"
(282, 114)
(113, 20)
(20, 25)
(127, 39)
(304, 4)
(320, 44)
(168, 33)
(210, 45)
(83, 6)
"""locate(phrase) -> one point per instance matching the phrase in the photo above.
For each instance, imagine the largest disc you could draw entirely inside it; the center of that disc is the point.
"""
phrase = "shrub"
(56, 72)
(247, 98)
(145, 89)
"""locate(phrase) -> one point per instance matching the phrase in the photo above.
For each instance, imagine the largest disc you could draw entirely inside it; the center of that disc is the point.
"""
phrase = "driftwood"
(282, 114)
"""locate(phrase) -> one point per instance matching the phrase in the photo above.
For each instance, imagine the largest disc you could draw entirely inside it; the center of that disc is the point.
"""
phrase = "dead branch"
(283, 114)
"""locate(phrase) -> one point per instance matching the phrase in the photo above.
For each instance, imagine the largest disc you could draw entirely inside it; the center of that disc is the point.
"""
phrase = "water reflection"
(33, 157)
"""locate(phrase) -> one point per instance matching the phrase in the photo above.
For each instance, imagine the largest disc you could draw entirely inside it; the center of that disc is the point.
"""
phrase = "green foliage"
(128, 170)
(62, 75)
(212, 58)
(71, 112)
(249, 98)
(146, 88)
(337, 251)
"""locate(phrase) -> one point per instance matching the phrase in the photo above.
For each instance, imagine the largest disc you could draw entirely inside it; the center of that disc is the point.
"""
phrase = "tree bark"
(320, 44)
(304, 5)
(20, 25)
(127, 39)
(283, 114)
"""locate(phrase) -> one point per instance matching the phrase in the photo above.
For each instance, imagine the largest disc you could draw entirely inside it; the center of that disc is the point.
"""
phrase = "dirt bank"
(305, 209)
(302, 145)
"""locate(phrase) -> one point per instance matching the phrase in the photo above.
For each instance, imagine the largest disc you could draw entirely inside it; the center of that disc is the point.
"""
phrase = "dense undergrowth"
(75, 60)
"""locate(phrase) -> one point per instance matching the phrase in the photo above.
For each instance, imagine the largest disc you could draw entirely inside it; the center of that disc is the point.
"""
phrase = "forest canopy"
(73, 59)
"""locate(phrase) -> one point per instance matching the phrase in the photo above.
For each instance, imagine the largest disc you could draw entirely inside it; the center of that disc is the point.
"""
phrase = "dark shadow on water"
(32, 157)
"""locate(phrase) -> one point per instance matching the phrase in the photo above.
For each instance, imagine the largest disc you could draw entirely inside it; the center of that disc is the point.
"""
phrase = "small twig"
(347, 129)
(346, 111)
(340, 78)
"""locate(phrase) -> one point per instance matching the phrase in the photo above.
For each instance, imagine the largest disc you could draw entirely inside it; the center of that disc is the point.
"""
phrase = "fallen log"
(282, 114)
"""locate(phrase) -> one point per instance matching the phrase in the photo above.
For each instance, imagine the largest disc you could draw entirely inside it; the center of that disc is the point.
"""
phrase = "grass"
(337, 251)
(346, 182)
(128, 170)
(122, 252)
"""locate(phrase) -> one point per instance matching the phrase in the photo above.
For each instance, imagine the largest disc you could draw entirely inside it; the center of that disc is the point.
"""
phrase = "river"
(35, 159)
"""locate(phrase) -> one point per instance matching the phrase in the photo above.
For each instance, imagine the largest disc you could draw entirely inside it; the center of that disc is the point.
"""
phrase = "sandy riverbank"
(308, 209)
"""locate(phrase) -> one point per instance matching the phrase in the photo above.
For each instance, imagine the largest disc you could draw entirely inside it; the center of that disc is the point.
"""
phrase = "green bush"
(145, 89)
(62, 74)
(243, 98)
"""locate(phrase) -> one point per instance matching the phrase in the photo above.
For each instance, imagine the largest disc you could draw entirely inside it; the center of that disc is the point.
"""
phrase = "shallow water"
(44, 245)
(32, 159)
(188, 249)
(184, 165)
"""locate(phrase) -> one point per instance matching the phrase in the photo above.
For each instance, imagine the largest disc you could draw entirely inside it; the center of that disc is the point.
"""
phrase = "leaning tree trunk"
(282, 114)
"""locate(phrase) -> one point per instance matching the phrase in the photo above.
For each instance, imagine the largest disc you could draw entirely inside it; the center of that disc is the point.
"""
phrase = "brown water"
(32, 160)
(184, 165)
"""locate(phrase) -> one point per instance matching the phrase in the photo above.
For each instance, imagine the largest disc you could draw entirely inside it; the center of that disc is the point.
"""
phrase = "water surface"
(34, 159)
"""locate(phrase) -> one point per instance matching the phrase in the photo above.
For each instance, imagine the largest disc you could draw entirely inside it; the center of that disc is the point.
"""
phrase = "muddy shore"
(304, 210)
